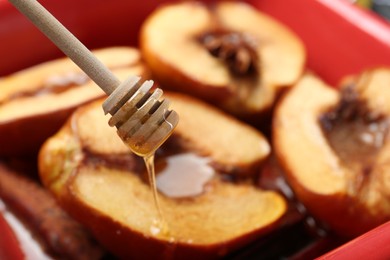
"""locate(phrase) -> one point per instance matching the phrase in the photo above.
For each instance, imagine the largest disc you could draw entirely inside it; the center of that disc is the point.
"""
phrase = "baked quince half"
(227, 53)
(334, 146)
(207, 211)
(35, 102)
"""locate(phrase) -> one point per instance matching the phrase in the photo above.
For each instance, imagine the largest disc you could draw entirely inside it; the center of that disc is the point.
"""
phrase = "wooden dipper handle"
(68, 44)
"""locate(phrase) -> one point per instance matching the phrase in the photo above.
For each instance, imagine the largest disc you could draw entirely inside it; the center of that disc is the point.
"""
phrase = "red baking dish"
(340, 39)
(9, 246)
(375, 244)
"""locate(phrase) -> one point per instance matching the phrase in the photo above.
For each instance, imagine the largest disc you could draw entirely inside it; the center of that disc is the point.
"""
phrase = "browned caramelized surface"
(334, 150)
(59, 84)
(354, 132)
(238, 64)
(36, 102)
(80, 157)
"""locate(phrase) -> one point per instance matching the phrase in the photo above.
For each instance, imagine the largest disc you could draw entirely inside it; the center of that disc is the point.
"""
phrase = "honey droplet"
(184, 176)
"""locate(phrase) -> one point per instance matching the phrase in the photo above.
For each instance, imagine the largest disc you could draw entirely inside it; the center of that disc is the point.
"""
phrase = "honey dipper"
(143, 121)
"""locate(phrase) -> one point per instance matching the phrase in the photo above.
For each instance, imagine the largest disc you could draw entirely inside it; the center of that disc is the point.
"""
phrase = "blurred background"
(381, 7)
